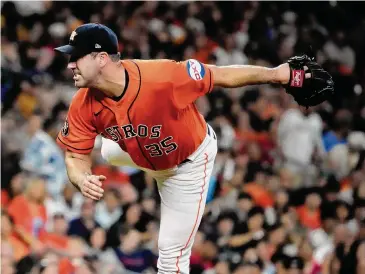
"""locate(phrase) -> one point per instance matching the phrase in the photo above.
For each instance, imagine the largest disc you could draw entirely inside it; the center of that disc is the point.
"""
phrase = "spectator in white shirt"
(299, 137)
(229, 54)
(69, 204)
(109, 210)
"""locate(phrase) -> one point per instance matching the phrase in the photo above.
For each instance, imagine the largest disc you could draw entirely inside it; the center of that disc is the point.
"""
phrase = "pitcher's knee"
(173, 258)
(114, 155)
(105, 150)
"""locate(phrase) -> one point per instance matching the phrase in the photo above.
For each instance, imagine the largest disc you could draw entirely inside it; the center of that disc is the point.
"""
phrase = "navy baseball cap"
(90, 38)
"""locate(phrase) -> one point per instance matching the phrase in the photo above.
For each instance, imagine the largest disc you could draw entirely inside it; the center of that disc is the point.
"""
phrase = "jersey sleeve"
(191, 79)
(78, 133)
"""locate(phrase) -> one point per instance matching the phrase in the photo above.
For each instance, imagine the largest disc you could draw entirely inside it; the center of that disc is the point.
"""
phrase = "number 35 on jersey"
(155, 149)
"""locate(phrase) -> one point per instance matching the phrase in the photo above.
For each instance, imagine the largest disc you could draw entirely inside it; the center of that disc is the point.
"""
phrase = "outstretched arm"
(292, 75)
(192, 79)
(241, 75)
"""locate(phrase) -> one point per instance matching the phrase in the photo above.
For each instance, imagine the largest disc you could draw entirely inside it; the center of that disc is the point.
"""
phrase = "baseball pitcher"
(145, 112)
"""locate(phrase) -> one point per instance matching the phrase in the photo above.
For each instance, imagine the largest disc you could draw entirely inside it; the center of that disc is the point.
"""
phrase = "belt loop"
(211, 133)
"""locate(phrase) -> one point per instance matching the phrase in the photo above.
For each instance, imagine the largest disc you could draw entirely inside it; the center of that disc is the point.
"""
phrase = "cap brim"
(66, 49)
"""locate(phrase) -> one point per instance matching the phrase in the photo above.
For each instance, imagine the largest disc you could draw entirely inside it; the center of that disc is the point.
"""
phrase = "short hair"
(115, 57)
(255, 211)
(244, 195)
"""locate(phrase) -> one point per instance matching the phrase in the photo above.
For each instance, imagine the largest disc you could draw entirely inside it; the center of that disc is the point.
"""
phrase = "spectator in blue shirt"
(84, 225)
(341, 127)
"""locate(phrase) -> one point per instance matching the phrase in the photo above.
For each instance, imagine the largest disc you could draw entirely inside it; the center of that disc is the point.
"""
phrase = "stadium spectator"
(109, 210)
(86, 223)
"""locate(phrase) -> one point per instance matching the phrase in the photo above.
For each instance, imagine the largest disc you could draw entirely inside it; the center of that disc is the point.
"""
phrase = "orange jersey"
(155, 121)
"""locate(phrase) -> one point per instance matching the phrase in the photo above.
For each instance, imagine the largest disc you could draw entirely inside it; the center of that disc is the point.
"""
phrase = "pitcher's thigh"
(183, 198)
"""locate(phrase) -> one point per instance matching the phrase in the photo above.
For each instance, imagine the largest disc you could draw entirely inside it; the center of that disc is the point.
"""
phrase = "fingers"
(90, 196)
(95, 188)
(94, 194)
(91, 187)
(88, 192)
(102, 178)
(95, 180)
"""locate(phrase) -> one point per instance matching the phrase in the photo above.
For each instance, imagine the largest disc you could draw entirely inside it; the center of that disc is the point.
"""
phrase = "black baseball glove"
(308, 91)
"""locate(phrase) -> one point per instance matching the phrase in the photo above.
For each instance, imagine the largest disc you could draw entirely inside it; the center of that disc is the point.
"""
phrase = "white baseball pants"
(183, 192)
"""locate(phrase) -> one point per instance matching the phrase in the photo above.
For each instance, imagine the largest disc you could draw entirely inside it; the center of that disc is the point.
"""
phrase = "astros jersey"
(155, 120)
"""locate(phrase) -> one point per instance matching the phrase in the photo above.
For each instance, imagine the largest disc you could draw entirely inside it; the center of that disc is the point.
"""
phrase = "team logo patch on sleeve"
(195, 69)
(65, 129)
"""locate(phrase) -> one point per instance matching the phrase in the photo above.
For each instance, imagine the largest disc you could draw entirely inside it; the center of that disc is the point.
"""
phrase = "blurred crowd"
(287, 194)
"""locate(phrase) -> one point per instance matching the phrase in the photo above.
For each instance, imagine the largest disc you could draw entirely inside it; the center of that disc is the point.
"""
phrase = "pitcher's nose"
(71, 65)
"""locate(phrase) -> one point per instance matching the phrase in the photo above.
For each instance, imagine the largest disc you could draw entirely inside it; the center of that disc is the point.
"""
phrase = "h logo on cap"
(73, 34)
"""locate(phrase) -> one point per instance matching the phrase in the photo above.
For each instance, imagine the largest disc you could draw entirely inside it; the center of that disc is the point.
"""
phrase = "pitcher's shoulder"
(159, 70)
